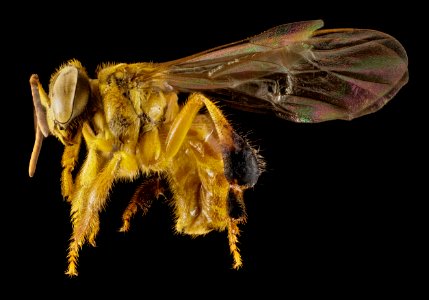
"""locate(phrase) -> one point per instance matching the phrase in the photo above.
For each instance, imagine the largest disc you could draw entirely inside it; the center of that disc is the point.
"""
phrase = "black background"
(335, 212)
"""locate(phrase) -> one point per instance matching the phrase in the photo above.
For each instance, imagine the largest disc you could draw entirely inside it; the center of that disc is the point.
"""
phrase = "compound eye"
(69, 95)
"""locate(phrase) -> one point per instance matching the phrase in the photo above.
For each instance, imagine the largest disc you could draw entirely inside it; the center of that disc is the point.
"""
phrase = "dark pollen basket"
(241, 165)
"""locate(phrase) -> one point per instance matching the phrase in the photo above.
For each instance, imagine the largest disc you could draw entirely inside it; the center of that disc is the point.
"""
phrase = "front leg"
(94, 181)
(68, 162)
(92, 187)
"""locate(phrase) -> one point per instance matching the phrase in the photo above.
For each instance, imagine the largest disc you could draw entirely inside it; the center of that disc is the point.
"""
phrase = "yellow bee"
(133, 124)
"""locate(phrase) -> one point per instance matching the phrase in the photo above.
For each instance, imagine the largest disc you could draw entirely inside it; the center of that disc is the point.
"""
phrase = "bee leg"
(68, 161)
(237, 215)
(96, 142)
(237, 208)
(90, 193)
(242, 166)
(89, 199)
(241, 162)
(233, 233)
(181, 125)
(100, 187)
(143, 198)
(79, 205)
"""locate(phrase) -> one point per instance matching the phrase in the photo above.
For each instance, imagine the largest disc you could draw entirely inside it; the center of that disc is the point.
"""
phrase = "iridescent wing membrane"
(299, 72)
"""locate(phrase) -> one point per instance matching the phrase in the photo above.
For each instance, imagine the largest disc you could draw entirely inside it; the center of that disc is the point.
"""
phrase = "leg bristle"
(233, 233)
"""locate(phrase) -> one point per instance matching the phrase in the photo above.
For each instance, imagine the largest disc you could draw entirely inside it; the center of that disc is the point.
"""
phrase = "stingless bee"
(133, 125)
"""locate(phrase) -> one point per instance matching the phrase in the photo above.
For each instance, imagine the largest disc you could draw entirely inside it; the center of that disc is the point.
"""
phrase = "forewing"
(300, 74)
(204, 71)
(273, 38)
